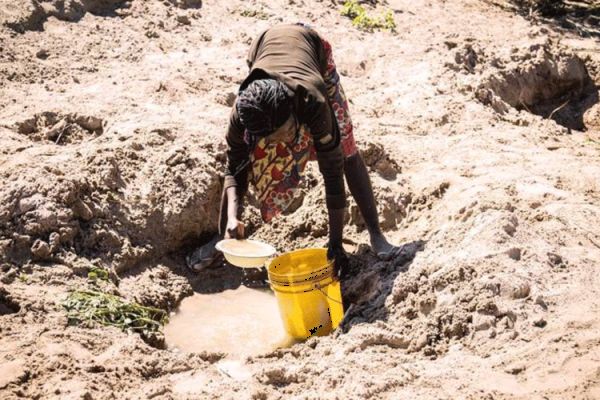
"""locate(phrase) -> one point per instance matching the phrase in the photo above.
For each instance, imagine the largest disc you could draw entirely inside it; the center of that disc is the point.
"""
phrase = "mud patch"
(61, 129)
(544, 80)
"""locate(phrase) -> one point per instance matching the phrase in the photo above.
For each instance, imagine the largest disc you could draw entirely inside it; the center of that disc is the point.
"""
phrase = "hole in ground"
(225, 315)
(555, 86)
(60, 128)
(216, 313)
(220, 310)
(239, 322)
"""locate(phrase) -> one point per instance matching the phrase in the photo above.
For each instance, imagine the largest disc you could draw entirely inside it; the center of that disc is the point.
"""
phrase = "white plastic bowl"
(246, 253)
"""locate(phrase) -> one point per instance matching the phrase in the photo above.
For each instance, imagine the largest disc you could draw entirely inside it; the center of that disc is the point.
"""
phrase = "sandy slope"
(111, 131)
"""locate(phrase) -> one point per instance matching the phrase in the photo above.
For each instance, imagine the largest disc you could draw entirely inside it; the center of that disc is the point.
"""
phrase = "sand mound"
(100, 203)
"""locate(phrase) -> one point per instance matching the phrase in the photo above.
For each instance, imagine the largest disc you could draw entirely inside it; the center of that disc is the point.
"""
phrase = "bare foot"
(384, 249)
(203, 257)
(399, 254)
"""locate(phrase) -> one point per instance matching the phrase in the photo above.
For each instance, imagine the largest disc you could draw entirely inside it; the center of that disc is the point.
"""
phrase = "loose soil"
(481, 132)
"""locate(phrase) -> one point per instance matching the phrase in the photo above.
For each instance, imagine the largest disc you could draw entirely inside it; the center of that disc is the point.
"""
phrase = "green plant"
(259, 14)
(360, 19)
(352, 9)
(87, 308)
(388, 21)
(96, 273)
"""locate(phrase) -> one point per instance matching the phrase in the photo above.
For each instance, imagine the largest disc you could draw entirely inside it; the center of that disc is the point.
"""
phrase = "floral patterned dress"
(277, 168)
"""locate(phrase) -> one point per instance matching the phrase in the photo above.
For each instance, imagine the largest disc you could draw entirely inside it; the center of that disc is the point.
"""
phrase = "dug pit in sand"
(240, 322)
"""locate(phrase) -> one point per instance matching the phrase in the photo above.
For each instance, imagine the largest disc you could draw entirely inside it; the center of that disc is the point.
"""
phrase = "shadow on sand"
(370, 281)
(580, 17)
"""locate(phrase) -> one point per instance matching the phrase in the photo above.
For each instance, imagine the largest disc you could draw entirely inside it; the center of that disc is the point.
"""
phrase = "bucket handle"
(320, 289)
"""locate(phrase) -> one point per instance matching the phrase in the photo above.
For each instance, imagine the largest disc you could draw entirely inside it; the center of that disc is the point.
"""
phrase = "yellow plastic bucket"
(310, 300)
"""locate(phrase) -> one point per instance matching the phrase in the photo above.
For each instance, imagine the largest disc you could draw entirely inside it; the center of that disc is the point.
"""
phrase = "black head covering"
(263, 106)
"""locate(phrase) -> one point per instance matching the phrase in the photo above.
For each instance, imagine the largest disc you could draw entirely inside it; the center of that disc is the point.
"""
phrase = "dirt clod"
(7, 304)
(60, 129)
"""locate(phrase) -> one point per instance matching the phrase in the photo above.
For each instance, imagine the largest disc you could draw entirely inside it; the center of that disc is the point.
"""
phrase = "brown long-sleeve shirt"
(295, 56)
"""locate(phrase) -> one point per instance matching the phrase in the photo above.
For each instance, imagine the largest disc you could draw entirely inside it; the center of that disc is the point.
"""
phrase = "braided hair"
(264, 106)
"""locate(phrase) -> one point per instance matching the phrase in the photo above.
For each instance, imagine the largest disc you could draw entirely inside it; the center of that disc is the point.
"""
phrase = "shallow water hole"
(240, 322)
(228, 314)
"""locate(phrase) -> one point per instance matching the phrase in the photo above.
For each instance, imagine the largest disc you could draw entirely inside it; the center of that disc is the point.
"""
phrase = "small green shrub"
(388, 21)
(360, 19)
(352, 9)
(258, 14)
(87, 308)
(96, 274)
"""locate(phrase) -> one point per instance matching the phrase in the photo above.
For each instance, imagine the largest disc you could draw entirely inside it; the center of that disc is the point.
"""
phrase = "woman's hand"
(335, 251)
(234, 229)
(340, 259)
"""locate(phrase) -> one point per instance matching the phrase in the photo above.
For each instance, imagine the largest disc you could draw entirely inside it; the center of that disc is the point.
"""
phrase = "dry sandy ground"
(111, 139)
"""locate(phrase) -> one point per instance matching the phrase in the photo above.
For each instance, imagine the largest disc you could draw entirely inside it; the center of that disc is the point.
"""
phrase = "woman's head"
(264, 106)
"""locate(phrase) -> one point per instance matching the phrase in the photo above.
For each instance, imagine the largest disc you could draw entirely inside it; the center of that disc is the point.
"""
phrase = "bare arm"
(236, 179)
(234, 228)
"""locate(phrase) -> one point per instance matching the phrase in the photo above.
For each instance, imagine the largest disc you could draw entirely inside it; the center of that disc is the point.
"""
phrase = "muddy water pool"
(240, 322)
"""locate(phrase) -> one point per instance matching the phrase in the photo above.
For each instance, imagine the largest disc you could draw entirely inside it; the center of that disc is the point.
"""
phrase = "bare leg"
(355, 170)
(359, 184)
